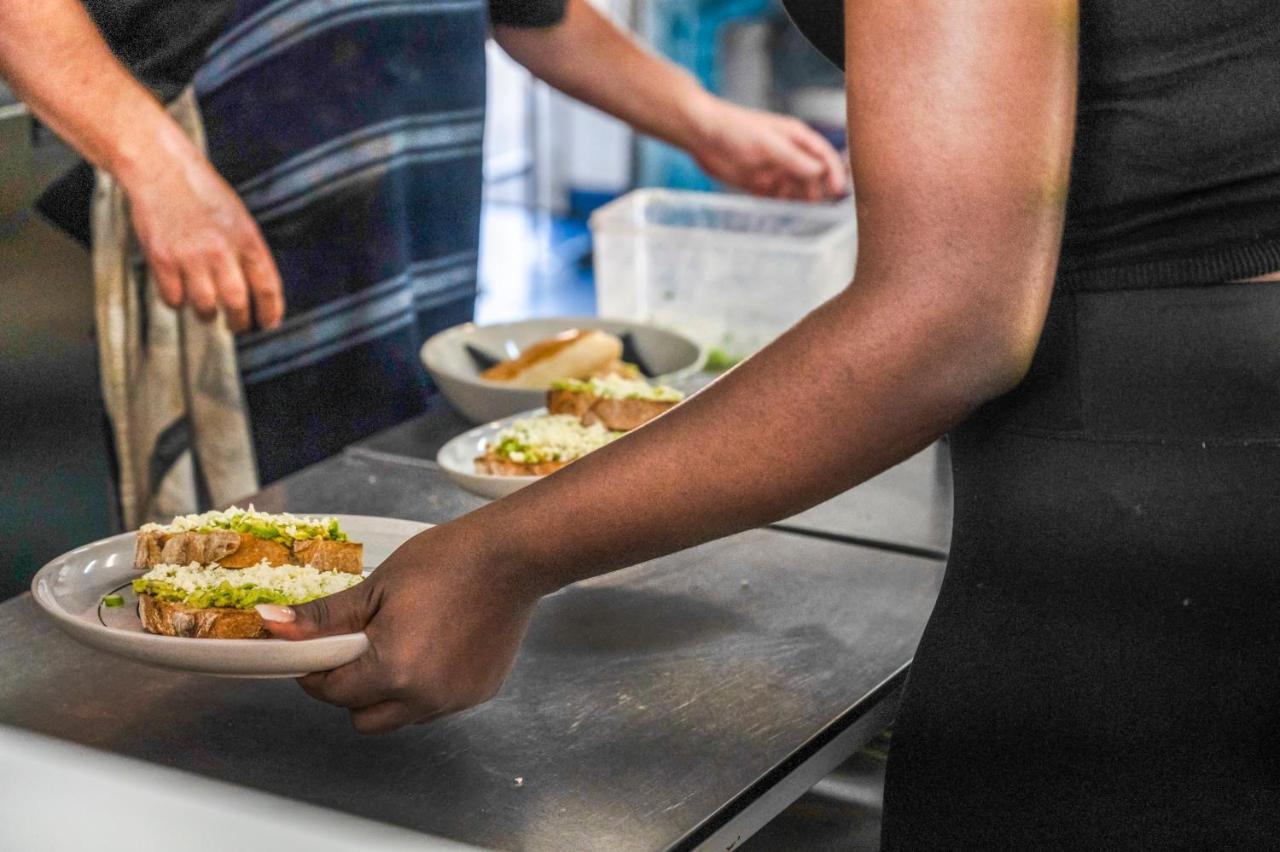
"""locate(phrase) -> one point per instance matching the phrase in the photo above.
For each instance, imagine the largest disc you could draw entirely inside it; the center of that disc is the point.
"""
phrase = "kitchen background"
(549, 161)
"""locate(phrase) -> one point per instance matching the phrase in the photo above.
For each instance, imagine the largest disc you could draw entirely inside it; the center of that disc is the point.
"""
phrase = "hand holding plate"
(443, 625)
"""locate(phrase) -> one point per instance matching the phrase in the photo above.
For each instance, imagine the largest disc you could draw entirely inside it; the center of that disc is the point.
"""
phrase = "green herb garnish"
(113, 601)
(719, 360)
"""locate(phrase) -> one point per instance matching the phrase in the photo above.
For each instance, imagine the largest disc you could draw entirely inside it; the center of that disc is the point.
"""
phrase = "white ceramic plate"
(71, 589)
(672, 356)
(458, 458)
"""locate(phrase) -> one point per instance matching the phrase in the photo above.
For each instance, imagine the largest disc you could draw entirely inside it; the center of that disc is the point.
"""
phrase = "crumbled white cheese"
(294, 526)
(552, 437)
(619, 387)
(298, 582)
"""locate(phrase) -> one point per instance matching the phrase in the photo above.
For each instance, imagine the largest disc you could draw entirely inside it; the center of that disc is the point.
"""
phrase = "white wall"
(570, 145)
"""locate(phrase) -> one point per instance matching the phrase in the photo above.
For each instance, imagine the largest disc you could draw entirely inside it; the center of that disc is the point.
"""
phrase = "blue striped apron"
(352, 129)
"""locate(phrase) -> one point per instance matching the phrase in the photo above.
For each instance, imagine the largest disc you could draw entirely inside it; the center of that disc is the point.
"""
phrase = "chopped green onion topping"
(113, 601)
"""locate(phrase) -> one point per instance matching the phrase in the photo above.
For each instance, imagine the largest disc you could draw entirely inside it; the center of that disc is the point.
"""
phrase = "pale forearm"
(57, 62)
(589, 58)
(200, 242)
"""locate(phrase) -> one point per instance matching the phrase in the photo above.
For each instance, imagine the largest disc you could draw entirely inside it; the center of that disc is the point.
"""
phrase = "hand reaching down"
(202, 245)
(768, 154)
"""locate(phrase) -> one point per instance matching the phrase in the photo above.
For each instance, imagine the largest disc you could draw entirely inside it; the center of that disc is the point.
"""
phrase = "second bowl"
(448, 357)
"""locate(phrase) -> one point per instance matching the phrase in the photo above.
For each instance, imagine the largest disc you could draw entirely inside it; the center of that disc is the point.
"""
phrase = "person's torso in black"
(161, 41)
(164, 42)
(1175, 177)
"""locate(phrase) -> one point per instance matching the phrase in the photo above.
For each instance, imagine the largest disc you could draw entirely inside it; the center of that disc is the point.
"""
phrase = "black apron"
(1102, 668)
(352, 130)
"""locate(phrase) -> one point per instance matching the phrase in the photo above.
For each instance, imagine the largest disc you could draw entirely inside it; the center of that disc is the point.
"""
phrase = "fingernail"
(274, 612)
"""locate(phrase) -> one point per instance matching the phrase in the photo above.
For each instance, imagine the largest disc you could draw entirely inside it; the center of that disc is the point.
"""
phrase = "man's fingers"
(815, 190)
(264, 282)
(838, 179)
(835, 169)
(168, 283)
(765, 183)
(232, 292)
(788, 188)
(794, 158)
(197, 280)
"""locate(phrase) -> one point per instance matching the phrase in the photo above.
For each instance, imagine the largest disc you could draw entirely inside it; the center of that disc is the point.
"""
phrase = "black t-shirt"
(162, 41)
(1175, 175)
(526, 13)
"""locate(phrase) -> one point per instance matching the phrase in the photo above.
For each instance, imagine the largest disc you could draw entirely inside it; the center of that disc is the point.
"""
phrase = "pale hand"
(768, 154)
(202, 246)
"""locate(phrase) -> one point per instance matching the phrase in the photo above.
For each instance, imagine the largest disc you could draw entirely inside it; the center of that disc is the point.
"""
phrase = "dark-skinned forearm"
(846, 396)
(961, 117)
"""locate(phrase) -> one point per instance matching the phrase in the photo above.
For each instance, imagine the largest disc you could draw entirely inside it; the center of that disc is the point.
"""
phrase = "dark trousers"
(1102, 668)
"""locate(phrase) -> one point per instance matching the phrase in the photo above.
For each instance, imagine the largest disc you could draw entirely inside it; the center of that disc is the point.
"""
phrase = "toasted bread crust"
(185, 548)
(327, 555)
(253, 550)
(496, 466)
(229, 549)
(147, 549)
(618, 415)
(174, 619)
(570, 402)
(243, 550)
(623, 415)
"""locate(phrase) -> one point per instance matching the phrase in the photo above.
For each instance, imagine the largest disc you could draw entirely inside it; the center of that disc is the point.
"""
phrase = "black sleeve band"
(526, 13)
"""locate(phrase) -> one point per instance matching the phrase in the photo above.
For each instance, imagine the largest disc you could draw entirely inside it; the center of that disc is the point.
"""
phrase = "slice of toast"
(243, 550)
(174, 619)
(495, 465)
(617, 415)
(251, 551)
(229, 549)
(575, 403)
(155, 548)
(327, 555)
(623, 415)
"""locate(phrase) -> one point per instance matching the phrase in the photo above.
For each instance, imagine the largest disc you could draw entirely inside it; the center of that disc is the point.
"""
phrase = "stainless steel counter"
(679, 704)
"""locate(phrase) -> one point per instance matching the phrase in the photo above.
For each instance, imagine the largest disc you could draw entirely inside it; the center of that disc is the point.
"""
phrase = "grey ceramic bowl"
(671, 356)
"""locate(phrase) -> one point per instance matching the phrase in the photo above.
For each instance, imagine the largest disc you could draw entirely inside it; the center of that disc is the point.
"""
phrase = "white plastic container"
(733, 272)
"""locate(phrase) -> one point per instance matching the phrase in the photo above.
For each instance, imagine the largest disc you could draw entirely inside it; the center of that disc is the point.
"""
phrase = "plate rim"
(469, 328)
(41, 589)
(474, 433)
